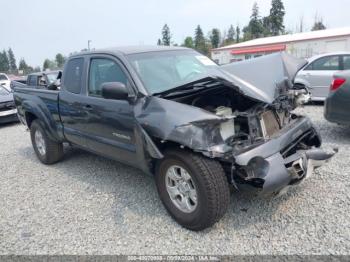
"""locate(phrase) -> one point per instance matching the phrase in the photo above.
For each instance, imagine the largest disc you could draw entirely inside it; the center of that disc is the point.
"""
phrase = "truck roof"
(127, 50)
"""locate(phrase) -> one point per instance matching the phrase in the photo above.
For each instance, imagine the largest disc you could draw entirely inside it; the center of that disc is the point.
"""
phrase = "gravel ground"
(89, 205)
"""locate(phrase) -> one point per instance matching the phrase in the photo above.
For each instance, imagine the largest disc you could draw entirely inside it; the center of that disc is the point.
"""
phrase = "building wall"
(301, 49)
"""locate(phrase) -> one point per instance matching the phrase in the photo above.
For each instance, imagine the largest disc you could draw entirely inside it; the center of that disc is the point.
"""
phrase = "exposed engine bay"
(247, 119)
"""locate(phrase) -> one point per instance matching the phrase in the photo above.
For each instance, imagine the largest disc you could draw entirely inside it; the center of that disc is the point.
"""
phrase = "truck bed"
(33, 102)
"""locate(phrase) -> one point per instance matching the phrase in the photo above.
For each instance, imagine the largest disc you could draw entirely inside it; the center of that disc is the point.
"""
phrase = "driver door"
(109, 123)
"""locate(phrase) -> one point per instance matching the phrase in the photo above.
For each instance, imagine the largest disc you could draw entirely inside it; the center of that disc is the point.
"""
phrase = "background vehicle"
(317, 75)
(172, 112)
(5, 81)
(40, 80)
(337, 104)
(8, 111)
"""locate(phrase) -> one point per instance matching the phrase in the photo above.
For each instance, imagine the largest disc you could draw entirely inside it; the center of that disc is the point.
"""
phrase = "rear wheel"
(47, 150)
(193, 189)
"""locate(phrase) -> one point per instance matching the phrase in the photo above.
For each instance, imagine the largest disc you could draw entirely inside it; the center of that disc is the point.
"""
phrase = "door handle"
(87, 107)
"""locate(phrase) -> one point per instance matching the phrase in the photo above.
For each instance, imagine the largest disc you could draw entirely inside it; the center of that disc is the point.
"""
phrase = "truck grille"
(269, 124)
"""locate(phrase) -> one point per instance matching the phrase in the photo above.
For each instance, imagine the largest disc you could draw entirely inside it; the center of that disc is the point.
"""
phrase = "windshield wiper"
(194, 85)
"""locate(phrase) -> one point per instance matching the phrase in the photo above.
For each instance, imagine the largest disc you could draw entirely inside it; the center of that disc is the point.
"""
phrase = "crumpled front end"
(283, 161)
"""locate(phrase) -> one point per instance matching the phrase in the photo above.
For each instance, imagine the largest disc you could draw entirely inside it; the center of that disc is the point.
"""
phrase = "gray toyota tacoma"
(199, 128)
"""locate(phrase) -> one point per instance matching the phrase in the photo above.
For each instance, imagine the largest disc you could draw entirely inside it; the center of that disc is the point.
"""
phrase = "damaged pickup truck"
(199, 128)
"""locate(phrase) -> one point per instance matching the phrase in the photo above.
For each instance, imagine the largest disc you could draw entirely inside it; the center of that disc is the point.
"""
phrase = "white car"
(5, 81)
(317, 75)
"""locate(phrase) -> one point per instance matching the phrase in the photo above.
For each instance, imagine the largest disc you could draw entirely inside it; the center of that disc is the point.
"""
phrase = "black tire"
(213, 194)
(53, 150)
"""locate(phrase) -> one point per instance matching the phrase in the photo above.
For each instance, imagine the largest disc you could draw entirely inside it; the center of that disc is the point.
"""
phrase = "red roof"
(259, 49)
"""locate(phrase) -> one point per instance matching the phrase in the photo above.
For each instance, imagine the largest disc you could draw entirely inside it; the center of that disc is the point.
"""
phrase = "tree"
(238, 34)
(318, 24)
(48, 64)
(166, 36)
(276, 17)
(188, 42)
(230, 39)
(266, 22)
(60, 60)
(159, 42)
(4, 62)
(255, 27)
(12, 61)
(215, 38)
(23, 66)
(199, 41)
(37, 69)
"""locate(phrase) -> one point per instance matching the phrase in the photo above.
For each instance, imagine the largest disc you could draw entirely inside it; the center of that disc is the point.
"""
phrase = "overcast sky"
(39, 29)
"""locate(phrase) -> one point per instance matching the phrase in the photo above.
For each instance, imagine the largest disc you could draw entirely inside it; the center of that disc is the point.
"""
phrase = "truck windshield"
(164, 70)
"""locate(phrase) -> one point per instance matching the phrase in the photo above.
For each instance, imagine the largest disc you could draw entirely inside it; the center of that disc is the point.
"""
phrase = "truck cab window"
(73, 77)
(104, 70)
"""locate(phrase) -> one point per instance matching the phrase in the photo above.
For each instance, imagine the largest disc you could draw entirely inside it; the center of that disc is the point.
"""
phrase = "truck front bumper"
(279, 163)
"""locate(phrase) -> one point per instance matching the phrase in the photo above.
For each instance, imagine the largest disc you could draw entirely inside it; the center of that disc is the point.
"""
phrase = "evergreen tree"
(60, 60)
(238, 34)
(276, 17)
(166, 36)
(255, 27)
(48, 64)
(12, 61)
(23, 66)
(159, 42)
(4, 62)
(318, 25)
(188, 42)
(255, 24)
(266, 22)
(230, 35)
(199, 41)
(215, 38)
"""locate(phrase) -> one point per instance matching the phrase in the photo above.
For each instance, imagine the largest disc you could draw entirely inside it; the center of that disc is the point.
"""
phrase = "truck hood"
(264, 78)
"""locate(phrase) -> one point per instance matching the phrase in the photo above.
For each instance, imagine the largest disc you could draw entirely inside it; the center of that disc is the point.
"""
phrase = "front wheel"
(47, 150)
(193, 189)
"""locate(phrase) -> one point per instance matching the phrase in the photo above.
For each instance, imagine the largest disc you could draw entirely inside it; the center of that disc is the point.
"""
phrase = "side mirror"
(114, 90)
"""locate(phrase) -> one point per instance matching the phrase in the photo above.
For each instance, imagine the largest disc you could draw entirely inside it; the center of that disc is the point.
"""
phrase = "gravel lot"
(89, 205)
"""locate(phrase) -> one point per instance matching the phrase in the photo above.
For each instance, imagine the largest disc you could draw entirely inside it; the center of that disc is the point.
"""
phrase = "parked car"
(5, 81)
(40, 80)
(317, 75)
(8, 111)
(337, 105)
(173, 113)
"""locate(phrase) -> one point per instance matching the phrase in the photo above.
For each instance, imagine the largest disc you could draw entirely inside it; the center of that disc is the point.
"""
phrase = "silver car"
(317, 75)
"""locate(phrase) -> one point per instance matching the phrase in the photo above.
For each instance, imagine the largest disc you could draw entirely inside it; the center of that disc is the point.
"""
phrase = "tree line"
(8, 64)
(258, 26)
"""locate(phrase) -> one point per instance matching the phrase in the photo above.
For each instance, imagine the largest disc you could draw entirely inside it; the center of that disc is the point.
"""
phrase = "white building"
(303, 45)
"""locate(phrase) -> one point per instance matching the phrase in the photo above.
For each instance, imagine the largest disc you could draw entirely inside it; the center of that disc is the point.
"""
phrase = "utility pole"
(89, 41)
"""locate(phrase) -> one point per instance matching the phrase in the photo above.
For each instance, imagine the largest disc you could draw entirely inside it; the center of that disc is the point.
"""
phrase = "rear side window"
(325, 63)
(73, 75)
